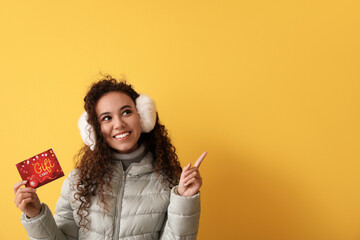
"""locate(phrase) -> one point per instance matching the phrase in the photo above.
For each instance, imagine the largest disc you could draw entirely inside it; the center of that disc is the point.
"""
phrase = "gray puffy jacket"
(141, 207)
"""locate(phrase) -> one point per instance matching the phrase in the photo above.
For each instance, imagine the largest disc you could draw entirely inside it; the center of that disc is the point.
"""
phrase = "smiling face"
(119, 121)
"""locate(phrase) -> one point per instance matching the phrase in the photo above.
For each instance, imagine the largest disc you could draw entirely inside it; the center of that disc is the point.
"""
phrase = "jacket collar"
(143, 167)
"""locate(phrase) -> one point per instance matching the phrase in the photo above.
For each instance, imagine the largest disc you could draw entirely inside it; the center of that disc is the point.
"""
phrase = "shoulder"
(74, 174)
(70, 182)
(72, 177)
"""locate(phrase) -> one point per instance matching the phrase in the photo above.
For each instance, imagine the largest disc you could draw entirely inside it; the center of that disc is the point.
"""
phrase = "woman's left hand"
(190, 179)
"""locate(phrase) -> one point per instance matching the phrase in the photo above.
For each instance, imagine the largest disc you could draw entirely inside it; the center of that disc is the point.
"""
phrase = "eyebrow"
(105, 113)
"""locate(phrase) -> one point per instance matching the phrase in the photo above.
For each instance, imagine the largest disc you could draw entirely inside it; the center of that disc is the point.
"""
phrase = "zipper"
(118, 205)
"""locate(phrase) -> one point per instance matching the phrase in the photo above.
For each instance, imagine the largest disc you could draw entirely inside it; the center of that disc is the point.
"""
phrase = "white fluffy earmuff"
(86, 131)
(146, 109)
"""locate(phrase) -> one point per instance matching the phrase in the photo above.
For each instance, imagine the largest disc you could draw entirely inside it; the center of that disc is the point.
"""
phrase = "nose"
(119, 123)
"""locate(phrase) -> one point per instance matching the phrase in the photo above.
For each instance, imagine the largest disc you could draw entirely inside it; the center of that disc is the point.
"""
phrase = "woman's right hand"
(27, 200)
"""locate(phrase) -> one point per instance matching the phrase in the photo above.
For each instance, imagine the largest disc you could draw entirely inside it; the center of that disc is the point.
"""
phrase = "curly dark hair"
(95, 167)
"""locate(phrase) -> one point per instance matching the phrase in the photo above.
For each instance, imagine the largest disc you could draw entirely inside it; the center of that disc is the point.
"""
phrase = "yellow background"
(269, 88)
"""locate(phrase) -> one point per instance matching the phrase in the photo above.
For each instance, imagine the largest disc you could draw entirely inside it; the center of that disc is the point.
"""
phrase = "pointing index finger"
(200, 159)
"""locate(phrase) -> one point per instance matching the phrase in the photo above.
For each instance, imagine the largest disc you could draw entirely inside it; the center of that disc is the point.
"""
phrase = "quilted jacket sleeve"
(61, 226)
(183, 216)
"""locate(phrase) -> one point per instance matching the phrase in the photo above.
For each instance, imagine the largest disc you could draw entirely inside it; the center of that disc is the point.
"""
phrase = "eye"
(105, 118)
(126, 112)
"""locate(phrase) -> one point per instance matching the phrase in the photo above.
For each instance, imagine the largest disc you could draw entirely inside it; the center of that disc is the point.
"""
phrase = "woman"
(127, 184)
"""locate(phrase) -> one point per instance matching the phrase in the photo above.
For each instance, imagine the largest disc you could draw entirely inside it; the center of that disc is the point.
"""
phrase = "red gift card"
(40, 169)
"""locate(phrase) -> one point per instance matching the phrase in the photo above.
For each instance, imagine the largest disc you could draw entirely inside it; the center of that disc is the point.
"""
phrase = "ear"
(146, 109)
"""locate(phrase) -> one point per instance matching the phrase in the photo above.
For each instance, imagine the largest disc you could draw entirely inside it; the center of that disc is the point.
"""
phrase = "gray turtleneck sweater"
(128, 158)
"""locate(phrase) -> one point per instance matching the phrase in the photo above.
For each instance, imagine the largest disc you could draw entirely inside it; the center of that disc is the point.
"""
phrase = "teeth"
(122, 135)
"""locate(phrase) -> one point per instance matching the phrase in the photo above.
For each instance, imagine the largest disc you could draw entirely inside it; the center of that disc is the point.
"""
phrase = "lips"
(122, 136)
